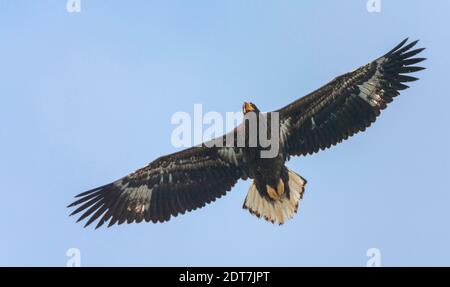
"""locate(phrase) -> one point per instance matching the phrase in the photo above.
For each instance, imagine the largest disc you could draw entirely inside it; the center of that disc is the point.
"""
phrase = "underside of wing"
(170, 185)
(349, 103)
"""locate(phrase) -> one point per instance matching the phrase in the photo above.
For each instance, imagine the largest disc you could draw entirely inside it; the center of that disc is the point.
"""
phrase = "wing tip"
(91, 202)
(404, 46)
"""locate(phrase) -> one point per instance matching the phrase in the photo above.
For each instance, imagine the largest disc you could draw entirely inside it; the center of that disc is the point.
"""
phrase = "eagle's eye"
(248, 107)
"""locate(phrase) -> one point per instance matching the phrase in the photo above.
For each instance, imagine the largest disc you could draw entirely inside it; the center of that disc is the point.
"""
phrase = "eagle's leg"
(276, 193)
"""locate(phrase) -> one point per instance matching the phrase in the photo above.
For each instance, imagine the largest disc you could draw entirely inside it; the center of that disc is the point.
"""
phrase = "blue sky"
(87, 98)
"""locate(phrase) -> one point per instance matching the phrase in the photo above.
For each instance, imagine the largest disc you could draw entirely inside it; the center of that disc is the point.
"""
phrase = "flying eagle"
(189, 179)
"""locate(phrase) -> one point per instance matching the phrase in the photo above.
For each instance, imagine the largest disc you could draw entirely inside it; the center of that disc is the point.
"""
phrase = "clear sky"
(87, 98)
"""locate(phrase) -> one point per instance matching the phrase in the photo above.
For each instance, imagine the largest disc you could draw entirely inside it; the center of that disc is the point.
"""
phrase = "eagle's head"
(249, 107)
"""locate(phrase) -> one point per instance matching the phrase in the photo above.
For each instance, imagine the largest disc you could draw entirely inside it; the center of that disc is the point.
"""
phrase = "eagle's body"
(189, 179)
(276, 190)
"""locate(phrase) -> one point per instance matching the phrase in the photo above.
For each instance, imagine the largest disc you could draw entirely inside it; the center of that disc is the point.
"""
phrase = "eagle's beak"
(248, 107)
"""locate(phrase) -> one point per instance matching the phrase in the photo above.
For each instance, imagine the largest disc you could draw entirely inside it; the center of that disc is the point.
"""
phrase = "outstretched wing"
(348, 104)
(167, 186)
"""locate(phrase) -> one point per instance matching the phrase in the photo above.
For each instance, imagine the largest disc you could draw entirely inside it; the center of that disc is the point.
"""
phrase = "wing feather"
(348, 104)
(170, 185)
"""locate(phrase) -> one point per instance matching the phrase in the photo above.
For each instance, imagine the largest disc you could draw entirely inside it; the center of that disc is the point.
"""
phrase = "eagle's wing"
(348, 104)
(167, 186)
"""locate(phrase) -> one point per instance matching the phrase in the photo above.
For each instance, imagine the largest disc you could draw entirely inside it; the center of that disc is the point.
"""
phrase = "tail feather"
(280, 209)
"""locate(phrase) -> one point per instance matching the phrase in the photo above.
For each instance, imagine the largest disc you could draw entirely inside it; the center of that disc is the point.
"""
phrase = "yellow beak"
(248, 107)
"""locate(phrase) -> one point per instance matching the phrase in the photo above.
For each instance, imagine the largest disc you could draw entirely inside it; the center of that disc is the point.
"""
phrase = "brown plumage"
(189, 179)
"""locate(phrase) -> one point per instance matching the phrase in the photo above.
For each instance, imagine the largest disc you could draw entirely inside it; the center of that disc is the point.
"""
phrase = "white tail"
(277, 209)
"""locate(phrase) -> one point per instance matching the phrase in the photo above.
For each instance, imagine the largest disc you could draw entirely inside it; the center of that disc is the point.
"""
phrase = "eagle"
(189, 179)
